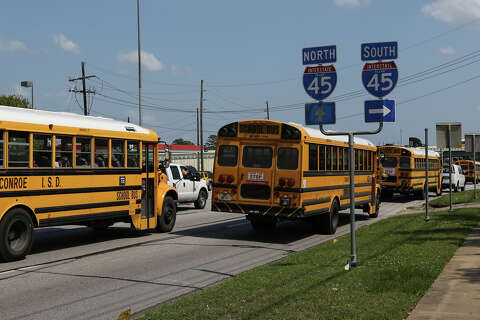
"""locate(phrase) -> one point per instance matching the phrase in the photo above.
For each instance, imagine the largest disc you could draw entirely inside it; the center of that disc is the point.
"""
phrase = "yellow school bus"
(62, 168)
(270, 170)
(403, 171)
(469, 171)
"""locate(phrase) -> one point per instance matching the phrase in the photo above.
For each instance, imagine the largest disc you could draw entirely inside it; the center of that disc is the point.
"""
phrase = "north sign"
(380, 111)
(379, 51)
(380, 78)
(318, 55)
(320, 113)
(320, 81)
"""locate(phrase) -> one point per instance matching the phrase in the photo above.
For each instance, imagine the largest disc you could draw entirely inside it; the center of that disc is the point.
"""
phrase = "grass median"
(399, 259)
(457, 198)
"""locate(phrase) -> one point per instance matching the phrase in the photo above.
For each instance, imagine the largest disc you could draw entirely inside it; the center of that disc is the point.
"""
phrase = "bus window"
(287, 158)
(389, 162)
(227, 156)
(257, 157)
(101, 153)
(312, 157)
(334, 158)
(356, 160)
(1, 149)
(63, 151)
(18, 149)
(321, 156)
(118, 153)
(83, 152)
(133, 154)
(346, 167)
(42, 150)
(340, 159)
(404, 162)
(328, 150)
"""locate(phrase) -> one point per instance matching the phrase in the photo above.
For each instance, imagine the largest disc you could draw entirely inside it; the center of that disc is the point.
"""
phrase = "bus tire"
(166, 221)
(327, 223)
(387, 194)
(377, 205)
(263, 224)
(201, 200)
(16, 232)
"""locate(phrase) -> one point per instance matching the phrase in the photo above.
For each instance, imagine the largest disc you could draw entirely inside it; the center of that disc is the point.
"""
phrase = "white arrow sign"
(384, 111)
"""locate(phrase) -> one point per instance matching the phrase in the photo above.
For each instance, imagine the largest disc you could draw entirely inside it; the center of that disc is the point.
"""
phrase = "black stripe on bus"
(357, 203)
(314, 189)
(418, 169)
(223, 185)
(82, 206)
(68, 172)
(139, 201)
(357, 195)
(419, 177)
(333, 173)
(317, 201)
(65, 191)
(315, 212)
(83, 218)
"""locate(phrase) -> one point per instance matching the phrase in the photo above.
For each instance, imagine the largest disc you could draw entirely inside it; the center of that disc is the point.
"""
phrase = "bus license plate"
(389, 171)
(255, 176)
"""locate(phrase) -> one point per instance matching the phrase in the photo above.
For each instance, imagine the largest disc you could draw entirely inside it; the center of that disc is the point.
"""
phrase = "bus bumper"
(249, 209)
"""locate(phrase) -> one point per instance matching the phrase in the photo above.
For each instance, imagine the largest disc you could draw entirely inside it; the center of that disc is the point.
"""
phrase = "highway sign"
(320, 113)
(317, 55)
(380, 78)
(379, 51)
(319, 81)
(380, 111)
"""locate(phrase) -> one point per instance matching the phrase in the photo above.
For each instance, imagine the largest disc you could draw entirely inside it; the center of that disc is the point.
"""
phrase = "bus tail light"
(281, 182)
(230, 179)
(290, 182)
(221, 179)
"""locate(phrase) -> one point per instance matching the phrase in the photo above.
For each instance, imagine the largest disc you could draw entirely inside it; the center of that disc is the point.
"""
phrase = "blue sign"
(380, 78)
(319, 81)
(380, 110)
(317, 55)
(320, 113)
(379, 51)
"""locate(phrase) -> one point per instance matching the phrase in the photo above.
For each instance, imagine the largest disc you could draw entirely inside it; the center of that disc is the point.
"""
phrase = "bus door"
(148, 186)
(256, 173)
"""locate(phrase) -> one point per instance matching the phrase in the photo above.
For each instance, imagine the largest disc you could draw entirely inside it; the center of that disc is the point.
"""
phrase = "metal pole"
(474, 169)
(201, 125)
(198, 143)
(268, 111)
(450, 166)
(427, 218)
(351, 160)
(85, 111)
(32, 97)
(139, 67)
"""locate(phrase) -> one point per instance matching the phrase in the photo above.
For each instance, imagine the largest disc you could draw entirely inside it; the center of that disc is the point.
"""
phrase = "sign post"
(470, 146)
(427, 218)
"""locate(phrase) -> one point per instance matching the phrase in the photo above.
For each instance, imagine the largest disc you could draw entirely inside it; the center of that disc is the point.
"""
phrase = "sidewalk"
(455, 294)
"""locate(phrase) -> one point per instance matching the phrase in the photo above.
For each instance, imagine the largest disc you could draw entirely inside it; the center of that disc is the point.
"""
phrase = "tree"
(182, 142)
(211, 142)
(14, 100)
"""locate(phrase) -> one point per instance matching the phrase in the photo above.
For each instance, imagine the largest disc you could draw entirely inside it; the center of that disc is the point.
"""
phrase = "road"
(76, 273)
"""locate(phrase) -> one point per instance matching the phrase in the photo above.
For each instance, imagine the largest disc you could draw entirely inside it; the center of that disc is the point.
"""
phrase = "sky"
(247, 53)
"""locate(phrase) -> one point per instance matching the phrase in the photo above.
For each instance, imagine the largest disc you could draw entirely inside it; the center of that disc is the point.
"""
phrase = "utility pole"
(268, 112)
(201, 125)
(139, 67)
(84, 91)
(198, 143)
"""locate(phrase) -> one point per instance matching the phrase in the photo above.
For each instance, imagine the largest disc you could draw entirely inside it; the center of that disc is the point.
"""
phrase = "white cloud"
(176, 71)
(148, 60)
(453, 11)
(66, 44)
(11, 45)
(352, 3)
(448, 51)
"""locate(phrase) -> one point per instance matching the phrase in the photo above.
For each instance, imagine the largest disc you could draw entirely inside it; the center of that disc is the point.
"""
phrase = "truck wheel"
(201, 200)
(456, 188)
(16, 235)
(166, 221)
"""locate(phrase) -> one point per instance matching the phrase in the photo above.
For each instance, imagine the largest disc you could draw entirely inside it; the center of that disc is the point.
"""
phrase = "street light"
(28, 84)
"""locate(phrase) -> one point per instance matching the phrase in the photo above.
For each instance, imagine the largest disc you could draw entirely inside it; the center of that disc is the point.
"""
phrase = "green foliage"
(14, 100)
(399, 259)
(211, 142)
(182, 142)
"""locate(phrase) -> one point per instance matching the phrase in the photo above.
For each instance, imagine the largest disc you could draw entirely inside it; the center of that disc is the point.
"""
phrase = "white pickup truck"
(190, 187)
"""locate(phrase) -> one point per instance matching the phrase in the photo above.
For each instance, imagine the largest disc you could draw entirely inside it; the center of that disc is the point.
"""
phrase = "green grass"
(457, 197)
(399, 259)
